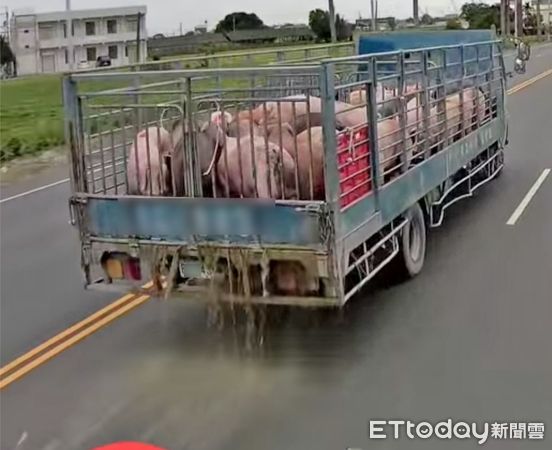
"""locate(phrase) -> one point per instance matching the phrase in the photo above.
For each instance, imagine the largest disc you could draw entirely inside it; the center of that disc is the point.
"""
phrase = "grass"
(30, 115)
(31, 108)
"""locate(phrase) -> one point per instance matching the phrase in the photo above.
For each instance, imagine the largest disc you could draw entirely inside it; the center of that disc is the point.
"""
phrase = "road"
(469, 339)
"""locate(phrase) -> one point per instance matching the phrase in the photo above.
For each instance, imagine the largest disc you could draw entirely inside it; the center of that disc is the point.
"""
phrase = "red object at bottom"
(353, 160)
(128, 446)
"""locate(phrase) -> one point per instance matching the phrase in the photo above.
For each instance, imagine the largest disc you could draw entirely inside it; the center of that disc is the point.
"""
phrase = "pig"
(291, 278)
(473, 111)
(303, 162)
(270, 113)
(390, 144)
(147, 168)
(252, 154)
(385, 98)
(209, 139)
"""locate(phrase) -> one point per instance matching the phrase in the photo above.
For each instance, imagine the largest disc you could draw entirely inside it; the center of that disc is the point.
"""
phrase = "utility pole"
(539, 23)
(374, 20)
(333, 31)
(69, 34)
(180, 28)
(549, 20)
(138, 25)
(503, 12)
(416, 12)
(518, 19)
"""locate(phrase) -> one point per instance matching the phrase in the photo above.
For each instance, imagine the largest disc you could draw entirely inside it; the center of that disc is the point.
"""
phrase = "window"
(46, 32)
(26, 46)
(64, 30)
(90, 28)
(112, 51)
(91, 54)
(112, 26)
(66, 56)
(132, 25)
(126, 51)
(25, 31)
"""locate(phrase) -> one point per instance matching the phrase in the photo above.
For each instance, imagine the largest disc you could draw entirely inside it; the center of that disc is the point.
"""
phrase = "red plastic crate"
(353, 159)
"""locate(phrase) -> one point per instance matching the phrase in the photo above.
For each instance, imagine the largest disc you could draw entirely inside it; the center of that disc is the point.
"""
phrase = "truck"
(377, 199)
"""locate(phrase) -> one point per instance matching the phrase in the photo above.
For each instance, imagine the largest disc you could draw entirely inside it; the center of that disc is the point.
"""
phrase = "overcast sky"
(166, 15)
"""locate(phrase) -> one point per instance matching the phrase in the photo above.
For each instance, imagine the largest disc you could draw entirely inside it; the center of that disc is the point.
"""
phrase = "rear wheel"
(411, 256)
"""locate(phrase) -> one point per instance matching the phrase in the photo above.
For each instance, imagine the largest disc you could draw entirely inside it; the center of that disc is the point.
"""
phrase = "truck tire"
(411, 255)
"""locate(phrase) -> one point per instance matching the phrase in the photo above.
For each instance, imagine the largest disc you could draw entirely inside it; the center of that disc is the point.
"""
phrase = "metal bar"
(402, 116)
(113, 159)
(188, 142)
(280, 141)
(123, 126)
(265, 115)
(150, 172)
(238, 142)
(252, 150)
(371, 113)
(331, 171)
(296, 154)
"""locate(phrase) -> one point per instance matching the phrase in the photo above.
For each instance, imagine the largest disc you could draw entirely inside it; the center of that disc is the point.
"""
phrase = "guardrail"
(236, 59)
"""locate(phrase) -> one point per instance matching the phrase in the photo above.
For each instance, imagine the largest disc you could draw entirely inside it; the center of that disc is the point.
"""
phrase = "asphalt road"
(469, 339)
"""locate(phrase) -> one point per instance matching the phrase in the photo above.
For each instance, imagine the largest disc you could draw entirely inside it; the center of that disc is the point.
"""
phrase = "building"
(41, 45)
(545, 10)
(382, 24)
(201, 29)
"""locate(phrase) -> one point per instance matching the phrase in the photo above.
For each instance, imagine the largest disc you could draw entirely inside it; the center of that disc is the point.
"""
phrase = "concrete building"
(545, 10)
(40, 41)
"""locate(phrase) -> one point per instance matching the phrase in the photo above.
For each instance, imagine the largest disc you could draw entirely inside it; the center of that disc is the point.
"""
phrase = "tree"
(453, 24)
(481, 15)
(343, 28)
(319, 23)
(239, 21)
(427, 19)
(6, 54)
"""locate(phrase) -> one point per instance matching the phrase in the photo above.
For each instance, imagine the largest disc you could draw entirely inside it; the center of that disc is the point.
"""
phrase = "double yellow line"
(61, 342)
(527, 83)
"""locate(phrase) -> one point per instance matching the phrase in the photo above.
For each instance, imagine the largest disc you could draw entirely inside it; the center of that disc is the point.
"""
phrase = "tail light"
(119, 266)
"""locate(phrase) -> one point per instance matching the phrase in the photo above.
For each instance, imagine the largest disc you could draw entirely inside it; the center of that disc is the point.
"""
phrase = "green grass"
(30, 115)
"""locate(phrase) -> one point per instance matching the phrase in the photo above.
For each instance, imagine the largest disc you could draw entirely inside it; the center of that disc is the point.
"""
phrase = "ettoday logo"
(396, 429)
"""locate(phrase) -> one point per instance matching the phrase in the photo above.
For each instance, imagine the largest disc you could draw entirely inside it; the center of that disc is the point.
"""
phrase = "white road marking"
(47, 186)
(32, 191)
(22, 439)
(528, 197)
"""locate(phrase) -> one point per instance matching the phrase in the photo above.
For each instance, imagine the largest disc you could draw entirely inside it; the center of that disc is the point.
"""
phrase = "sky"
(166, 15)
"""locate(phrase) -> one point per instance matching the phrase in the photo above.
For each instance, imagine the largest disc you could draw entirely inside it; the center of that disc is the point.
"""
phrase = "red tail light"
(132, 269)
(118, 266)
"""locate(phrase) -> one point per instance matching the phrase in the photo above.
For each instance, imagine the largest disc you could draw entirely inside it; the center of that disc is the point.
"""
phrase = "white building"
(545, 10)
(40, 41)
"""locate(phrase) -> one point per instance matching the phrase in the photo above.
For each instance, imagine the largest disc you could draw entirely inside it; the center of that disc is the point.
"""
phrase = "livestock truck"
(427, 127)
